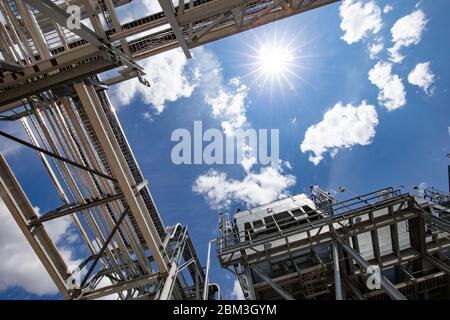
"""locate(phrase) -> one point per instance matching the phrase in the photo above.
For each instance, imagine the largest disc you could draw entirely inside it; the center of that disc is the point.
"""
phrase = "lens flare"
(274, 61)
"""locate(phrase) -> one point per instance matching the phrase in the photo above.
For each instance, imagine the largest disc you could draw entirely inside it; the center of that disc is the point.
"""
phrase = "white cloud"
(359, 19)
(407, 31)
(288, 165)
(422, 77)
(387, 8)
(8, 147)
(229, 105)
(209, 70)
(147, 116)
(247, 163)
(255, 189)
(19, 266)
(137, 9)
(392, 91)
(375, 49)
(170, 79)
(341, 128)
(237, 293)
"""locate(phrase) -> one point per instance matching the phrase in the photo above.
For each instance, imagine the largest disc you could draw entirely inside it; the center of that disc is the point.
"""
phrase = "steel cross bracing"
(49, 83)
(64, 56)
(318, 256)
(82, 146)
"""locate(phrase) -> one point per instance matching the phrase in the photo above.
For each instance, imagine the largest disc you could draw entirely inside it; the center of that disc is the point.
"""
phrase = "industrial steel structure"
(392, 243)
(49, 82)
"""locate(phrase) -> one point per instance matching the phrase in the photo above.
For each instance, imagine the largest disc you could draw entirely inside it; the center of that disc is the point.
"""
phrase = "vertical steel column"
(337, 272)
(387, 286)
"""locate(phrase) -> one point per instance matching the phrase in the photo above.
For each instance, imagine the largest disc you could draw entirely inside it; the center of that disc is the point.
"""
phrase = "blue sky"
(399, 138)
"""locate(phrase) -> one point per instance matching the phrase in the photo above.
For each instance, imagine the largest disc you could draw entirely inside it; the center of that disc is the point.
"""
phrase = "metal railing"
(288, 227)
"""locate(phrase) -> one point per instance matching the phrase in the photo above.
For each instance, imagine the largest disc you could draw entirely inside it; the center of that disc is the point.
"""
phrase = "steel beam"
(349, 283)
(60, 79)
(337, 272)
(58, 214)
(437, 263)
(116, 160)
(55, 13)
(120, 287)
(5, 66)
(442, 224)
(169, 11)
(272, 284)
(73, 163)
(104, 247)
(22, 211)
(196, 13)
(32, 27)
(387, 286)
(319, 238)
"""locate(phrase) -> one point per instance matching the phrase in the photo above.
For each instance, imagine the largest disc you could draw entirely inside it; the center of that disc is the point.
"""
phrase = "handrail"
(238, 235)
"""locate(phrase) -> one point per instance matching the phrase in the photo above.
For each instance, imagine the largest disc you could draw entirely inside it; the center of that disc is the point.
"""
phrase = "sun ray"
(273, 62)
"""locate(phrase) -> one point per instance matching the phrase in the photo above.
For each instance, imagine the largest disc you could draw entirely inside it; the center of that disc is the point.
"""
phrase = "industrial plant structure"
(297, 248)
(389, 244)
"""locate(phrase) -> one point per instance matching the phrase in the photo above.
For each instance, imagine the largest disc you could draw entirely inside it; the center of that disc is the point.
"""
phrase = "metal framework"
(49, 83)
(389, 244)
(62, 56)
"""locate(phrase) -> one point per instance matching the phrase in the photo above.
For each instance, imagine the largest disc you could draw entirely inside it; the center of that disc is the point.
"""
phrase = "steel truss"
(49, 83)
(81, 144)
(40, 43)
(331, 256)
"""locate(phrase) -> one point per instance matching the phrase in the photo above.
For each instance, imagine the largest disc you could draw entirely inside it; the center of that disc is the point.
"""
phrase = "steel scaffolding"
(49, 82)
(386, 244)
(62, 55)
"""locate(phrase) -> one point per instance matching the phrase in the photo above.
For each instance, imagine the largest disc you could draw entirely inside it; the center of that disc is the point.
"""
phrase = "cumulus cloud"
(422, 76)
(341, 128)
(387, 8)
(407, 31)
(8, 147)
(229, 105)
(248, 162)
(220, 192)
(208, 68)
(236, 293)
(359, 19)
(375, 49)
(19, 266)
(170, 79)
(392, 91)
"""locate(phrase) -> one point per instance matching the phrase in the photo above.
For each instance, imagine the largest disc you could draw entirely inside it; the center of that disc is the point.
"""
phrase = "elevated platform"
(49, 83)
(290, 249)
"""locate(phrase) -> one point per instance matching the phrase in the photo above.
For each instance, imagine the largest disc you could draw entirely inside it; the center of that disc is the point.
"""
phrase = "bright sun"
(274, 61)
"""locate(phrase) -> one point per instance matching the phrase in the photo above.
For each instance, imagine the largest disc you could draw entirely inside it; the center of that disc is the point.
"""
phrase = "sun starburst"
(274, 62)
